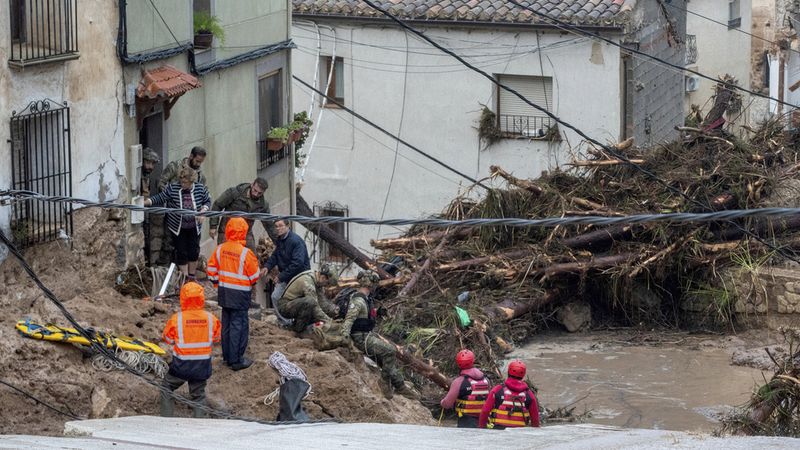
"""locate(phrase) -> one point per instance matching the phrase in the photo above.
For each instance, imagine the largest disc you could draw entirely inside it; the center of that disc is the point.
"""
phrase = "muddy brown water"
(665, 387)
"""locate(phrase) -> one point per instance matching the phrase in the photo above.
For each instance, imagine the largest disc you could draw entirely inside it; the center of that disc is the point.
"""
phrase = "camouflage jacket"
(302, 285)
(173, 169)
(357, 309)
(238, 198)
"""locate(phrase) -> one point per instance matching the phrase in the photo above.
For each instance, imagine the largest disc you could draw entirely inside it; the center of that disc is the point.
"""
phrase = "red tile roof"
(165, 81)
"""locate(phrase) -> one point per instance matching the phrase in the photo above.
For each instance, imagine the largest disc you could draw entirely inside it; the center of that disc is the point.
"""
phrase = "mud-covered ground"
(82, 276)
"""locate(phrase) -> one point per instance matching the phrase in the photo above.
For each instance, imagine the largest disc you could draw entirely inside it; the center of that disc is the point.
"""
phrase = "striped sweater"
(170, 197)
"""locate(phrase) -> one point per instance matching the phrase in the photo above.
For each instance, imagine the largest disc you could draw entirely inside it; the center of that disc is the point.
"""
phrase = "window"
(42, 31)
(269, 116)
(40, 162)
(734, 14)
(517, 118)
(335, 89)
(691, 49)
(327, 252)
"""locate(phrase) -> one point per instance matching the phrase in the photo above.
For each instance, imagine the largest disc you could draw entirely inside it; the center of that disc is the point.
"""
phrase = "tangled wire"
(287, 371)
(142, 362)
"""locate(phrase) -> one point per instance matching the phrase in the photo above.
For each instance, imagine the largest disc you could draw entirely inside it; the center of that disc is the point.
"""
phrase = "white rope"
(287, 371)
(142, 362)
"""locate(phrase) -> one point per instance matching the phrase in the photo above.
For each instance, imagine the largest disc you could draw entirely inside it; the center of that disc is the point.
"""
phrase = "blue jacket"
(291, 257)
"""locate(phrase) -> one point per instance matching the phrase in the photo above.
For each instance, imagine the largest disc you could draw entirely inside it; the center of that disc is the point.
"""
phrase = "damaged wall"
(92, 87)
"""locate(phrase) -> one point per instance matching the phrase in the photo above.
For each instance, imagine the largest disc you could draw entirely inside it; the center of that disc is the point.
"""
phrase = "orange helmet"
(465, 359)
(517, 369)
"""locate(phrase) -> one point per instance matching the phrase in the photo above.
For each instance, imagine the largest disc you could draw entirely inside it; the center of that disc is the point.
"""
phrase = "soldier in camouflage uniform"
(300, 300)
(359, 320)
(149, 161)
(160, 239)
(245, 197)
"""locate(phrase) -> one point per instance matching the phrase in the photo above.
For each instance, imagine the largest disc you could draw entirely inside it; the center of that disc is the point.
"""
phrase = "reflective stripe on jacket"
(471, 396)
(191, 333)
(234, 269)
(510, 408)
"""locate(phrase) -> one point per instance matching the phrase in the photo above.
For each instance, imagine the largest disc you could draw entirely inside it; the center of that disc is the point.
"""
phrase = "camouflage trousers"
(304, 310)
(383, 353)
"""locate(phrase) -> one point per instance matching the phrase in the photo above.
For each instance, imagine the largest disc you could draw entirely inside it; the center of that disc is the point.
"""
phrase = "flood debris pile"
(512, 282)
(774, 408)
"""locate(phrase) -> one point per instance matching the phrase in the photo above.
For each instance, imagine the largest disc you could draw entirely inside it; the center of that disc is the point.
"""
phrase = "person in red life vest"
(467, 392)
(512, 403)
(191, 332)
(233, 269)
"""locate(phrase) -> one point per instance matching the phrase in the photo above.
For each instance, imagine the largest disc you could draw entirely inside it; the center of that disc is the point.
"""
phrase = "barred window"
(42, 31)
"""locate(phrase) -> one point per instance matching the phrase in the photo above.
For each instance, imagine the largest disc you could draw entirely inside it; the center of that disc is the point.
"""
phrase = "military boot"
(386, 388)
(167, 406)
(408, 391)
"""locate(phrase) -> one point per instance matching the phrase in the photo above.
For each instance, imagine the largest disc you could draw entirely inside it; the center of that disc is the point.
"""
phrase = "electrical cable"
(384, 131)
(97, 347)
(678, 217)
(573, 29)
(69, 414)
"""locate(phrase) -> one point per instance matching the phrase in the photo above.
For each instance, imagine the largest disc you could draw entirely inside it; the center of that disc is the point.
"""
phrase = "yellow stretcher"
(55, 333)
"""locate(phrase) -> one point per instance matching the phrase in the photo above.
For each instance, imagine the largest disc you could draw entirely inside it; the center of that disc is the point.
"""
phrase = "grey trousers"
(197, 391)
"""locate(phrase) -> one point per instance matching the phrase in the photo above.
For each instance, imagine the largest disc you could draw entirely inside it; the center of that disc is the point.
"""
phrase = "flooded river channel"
(672, 387)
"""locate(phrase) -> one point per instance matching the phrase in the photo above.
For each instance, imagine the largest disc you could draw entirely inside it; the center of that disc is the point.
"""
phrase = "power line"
(577, 30)
(680, 217)
(671, 5)
(69, 414)
(384, 131)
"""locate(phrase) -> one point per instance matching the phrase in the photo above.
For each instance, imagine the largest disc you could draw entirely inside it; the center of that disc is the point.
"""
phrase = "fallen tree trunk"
(338, 241)
(423, 368)
(426, 265)
(509, 309)
(497, 171)
(422, 239)
(481, 261)
(603, 162)
(601, 237)
(602, 262)
(352, 282)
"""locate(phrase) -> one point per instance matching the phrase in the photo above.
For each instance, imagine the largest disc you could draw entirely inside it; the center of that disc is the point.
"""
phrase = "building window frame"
(533, 124)
(267, 156)
(335, 89)
(326, 253)
(734, 14)
(42, 31)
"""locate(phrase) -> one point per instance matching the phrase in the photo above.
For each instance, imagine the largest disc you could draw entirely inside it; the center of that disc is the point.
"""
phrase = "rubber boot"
(199, 413)
(167, 406)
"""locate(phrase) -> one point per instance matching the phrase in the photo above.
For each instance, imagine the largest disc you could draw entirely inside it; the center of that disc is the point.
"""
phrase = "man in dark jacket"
(245, 197)
(290, 257)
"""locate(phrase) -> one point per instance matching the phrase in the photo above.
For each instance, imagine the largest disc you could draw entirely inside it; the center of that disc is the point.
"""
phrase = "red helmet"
(465, 359)
(517, 369)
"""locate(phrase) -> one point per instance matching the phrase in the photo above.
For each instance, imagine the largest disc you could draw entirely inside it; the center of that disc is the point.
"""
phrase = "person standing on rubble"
(191, 332)
(187, 194)
(468, 392)
(359, 316)
(161, 247)
(245, 197)
(301, 302)
(290, 257)
(233, 269)
(512, 403)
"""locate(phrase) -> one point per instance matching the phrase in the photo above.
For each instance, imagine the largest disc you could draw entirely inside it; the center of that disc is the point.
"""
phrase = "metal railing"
(42, 30)
(267, 157)
(41, 161)
(528, 126)
(691, 49)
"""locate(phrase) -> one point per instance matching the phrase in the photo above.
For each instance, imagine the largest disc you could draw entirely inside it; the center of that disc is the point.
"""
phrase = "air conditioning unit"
(692, 83)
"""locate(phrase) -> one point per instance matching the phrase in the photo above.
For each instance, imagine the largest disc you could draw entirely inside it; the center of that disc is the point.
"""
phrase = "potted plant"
(206, 28)
(277, 138)
(299, 129)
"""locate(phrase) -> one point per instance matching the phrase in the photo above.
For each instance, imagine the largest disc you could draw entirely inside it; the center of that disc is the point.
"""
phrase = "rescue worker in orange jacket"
(233, 269)
(511, 404)
(468, 391)
(191, 332)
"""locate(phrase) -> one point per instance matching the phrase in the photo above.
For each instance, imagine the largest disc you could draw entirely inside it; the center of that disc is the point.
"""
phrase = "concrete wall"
(147, 31)
(92, 87)
(656, 91)
(720, 51)
(433, 102)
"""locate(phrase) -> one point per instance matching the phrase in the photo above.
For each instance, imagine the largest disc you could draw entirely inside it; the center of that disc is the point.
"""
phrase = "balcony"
(691, 49)
(42, 31)
(535, 127)
(267, 157)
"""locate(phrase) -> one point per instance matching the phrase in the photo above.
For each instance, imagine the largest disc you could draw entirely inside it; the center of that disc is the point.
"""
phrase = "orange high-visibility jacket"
(191, 332)
(233, 267)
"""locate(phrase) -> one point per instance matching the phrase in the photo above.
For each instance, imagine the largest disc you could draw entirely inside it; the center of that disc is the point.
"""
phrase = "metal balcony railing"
(528, 126)
(267, 157)
(691, 49)
(42, 31)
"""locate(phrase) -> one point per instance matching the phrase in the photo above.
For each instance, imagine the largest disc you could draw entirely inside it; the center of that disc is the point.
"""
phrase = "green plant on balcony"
(295, 132)
(206, 28)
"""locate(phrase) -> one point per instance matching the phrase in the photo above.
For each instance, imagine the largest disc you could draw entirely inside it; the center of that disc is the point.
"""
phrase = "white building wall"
(433, 102)
(92, 87)
(720, 51)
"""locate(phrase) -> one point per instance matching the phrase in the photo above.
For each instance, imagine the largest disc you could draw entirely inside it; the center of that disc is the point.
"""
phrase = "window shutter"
(538, 90)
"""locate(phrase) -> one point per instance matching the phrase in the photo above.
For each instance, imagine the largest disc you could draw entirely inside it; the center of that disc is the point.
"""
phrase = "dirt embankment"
(82, 277)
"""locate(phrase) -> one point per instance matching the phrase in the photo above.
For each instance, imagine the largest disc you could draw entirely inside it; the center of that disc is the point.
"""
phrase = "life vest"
(471, 396)
(510, 408)
(360, 325)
